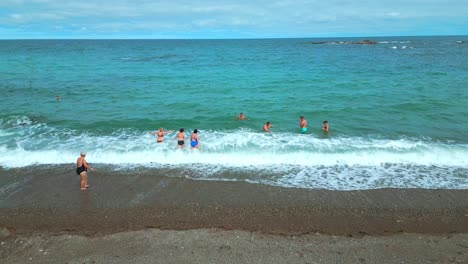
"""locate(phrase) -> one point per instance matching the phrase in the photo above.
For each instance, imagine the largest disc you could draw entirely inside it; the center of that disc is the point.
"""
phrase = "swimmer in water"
(241, 117)
(180, 138)
(267, 127)
(325, 126)
(195, 140)
(161, 133)
(303, 124)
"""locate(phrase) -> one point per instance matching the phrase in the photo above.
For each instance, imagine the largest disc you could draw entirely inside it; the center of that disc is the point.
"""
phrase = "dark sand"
(44, 216)
(219, 246)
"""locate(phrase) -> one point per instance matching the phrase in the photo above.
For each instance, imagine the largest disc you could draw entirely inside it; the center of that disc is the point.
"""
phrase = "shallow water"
(397, 110)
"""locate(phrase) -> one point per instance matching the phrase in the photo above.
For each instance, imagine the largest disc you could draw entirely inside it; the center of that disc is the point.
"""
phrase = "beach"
(220, 221)
(219, 246)
(388, 183)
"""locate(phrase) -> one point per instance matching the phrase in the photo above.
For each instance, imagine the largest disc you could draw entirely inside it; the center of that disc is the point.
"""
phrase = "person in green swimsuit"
(303, 124)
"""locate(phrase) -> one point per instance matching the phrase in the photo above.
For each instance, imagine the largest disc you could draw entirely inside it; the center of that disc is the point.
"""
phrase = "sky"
(211, 19)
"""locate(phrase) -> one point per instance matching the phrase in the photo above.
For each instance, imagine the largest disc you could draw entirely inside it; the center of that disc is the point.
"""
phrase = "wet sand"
(45, 204)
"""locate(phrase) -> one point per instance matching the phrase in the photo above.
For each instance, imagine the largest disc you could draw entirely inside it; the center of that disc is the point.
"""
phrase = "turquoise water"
(397, 110)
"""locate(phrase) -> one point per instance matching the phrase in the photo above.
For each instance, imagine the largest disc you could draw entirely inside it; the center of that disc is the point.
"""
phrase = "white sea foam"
(284, 159)
(402, 47)
(395, 41)
(232, 149)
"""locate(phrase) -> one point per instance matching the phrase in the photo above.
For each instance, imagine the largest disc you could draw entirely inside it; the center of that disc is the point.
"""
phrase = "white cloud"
(16, 16)
(283, 17)
(393, 14)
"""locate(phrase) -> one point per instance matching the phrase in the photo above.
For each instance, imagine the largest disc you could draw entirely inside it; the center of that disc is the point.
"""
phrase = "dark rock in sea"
(366, 42)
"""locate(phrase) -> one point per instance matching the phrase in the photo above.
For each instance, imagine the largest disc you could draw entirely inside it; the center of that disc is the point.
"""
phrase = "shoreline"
(37, 199)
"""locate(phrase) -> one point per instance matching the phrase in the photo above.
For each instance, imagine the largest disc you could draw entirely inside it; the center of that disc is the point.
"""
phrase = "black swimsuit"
(79, 170)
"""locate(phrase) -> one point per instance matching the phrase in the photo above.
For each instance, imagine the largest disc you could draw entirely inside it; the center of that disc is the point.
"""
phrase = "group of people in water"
(195, 140)
(302, 124)
(82, 166)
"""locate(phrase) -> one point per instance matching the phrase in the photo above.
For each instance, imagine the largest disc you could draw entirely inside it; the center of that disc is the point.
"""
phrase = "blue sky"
(32, 19)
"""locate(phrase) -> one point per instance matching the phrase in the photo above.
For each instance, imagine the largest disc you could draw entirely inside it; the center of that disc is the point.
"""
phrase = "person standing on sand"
(303, 124)
(161, 133)
(180, 138)
(325, 126)
(82, 169)
(267, 127)
(195, 140)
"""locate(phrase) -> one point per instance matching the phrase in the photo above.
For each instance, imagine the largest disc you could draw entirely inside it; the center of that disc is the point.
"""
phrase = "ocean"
(397, 110)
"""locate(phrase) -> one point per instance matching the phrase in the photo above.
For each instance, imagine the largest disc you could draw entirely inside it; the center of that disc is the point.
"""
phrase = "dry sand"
(144, 216)
(218, 246)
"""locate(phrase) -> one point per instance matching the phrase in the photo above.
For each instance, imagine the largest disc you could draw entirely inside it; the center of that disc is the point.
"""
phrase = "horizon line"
(243, 38)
